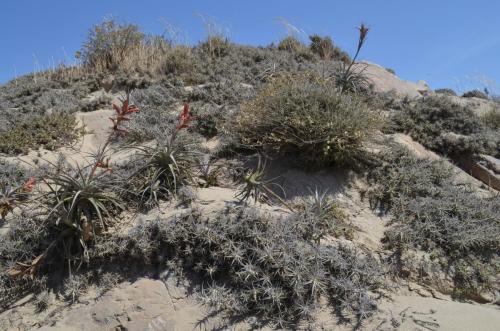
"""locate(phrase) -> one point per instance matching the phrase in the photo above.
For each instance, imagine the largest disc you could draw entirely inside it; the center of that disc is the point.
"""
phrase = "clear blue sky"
(448, 43)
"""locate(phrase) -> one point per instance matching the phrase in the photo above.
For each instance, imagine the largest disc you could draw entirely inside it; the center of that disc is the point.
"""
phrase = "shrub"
(446, 91)
(400, 173)
(458, 230)
(305, 116)
(390, 70)
(492, 118)
(179, 61)
(216, 46)
(296, 47)
(446, 127)
(255, 265)
(326, 50)
(49, 131)
(475, 94)
(108, 44)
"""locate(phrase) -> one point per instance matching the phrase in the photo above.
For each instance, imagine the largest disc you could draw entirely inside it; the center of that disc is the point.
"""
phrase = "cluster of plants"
(306, 116)
(248, 263)
(476, 94)
(458, 230)
(444, 126)
(50, 132)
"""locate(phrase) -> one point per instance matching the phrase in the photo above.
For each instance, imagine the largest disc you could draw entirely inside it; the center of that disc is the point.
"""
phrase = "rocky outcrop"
(385, 81)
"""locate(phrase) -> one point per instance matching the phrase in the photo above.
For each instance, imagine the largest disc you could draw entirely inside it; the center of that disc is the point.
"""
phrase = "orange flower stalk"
(185, 118)
(122, 115)
(29, 185)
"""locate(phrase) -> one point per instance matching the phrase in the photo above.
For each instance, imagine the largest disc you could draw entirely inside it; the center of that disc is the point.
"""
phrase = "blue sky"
(448, 43)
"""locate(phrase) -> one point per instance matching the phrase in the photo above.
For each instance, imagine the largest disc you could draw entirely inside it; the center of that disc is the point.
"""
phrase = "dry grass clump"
(458, 230)
(446, 127)
(306, 116)
(50, 132)
(326, 50)
(296, 47)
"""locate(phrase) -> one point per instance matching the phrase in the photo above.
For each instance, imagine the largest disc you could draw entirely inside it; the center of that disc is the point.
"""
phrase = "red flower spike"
(121, 113)
(104, 164)
(185, 118)
(29, 185)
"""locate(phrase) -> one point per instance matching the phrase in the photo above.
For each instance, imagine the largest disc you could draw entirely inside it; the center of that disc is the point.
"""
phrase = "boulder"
(383, 81)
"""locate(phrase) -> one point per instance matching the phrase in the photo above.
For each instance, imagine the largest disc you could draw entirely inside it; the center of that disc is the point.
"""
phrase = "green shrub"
(446, 127)
(390, 70)
(49, 131)
(326, 50)
(305, 116)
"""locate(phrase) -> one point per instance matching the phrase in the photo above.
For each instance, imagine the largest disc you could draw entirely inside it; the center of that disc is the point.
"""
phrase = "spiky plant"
(209, 172)
(319, 215)
(255, 186)
(350, 79)
(83, 200)
(11, 196)
(166, 165)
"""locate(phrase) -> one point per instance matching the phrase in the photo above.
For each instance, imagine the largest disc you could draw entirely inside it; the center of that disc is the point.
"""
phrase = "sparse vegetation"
(86, 221)
(50, 132)
(256, 265)
(446, 127)
(458, 230)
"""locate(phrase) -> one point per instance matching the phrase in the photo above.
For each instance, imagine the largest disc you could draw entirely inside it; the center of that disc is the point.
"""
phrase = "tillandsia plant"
(168, 164)
(349, 79)
(208, 172)
(81, 200)
(255, 186)
(11, 196)
(122, 115)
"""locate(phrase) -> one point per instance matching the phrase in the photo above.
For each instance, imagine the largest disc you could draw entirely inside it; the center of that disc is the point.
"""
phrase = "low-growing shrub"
(306, 116)
(492, 118)
(446, 127)
(390, 70)
(475, 94)
(255, 265)
(446, 91)
(458, 231)
(49, 131)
